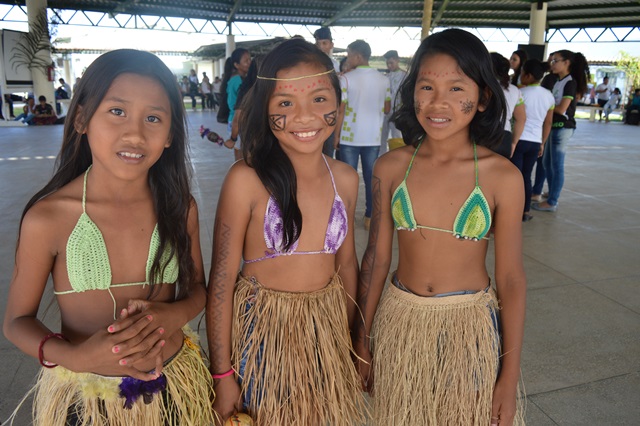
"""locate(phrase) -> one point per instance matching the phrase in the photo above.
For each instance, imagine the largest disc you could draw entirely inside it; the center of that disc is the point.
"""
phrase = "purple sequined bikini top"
(336, 228)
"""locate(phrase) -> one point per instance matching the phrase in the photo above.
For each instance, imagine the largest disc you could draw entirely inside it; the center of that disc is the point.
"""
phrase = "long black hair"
(249, 81)
(261, 148)
(535, 68)
(486, 127)
(578, 68)
(230, 69)
(168, 178)
(516, 73)
(501, 69)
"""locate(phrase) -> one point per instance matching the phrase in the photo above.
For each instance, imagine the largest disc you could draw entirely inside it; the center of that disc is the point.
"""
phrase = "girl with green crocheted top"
(116, 228)
(433, 348)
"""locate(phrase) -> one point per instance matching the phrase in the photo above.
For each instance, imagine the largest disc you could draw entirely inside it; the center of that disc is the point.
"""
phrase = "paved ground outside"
(581, 356)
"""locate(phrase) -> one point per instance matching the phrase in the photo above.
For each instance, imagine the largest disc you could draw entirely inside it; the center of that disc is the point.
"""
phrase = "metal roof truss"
(18, 13)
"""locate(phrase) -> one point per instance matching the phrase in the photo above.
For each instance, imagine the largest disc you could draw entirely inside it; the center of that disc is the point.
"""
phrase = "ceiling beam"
(233, 11)
(356, 4)
(441, 10)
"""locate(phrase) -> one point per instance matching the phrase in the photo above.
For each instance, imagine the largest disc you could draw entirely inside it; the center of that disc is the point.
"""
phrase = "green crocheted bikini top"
(472, 222)
(88, 265)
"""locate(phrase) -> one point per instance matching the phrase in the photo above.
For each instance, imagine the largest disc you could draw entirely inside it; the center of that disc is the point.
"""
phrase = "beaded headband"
(294, 78)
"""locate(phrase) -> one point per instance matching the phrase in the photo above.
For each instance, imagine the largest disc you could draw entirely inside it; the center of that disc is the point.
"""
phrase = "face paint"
(330, 118)
(467, 106)
(277, 122)
(418, 107)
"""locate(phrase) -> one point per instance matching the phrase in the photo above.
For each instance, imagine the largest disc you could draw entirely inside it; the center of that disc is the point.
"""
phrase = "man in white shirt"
(324, 41)
(395, 76)
(366, 98)
(603, 92)
(65, 86)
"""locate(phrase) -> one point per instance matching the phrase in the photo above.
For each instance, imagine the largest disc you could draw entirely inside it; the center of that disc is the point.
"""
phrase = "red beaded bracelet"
(223, 375)
(44, 363)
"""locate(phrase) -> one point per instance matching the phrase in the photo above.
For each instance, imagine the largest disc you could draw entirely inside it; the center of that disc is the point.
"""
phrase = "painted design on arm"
(368, 263)
(277, 122)
(222, 234)
(467, 106)
(331, 118)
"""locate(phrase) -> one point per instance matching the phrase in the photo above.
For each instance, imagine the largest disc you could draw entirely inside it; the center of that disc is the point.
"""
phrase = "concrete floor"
(581, 357)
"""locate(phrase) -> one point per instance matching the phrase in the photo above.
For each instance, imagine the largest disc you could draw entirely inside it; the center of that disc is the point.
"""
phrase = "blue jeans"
(368, 155)
(25, 118)
(553, 161)
(524, 157)
(541, 176)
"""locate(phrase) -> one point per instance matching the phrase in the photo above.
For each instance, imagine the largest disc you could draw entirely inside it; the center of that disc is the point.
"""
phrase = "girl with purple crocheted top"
(278, 331)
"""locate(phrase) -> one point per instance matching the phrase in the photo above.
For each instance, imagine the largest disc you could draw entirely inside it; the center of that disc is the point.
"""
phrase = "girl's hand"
(503, 406)
(228, 398)
(364, 365)
(229, 144)
(102, 353)
(161, 325)
(541, 151)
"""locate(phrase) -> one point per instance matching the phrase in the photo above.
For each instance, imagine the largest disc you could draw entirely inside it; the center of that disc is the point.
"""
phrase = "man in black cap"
(395, 76)
(325, 43)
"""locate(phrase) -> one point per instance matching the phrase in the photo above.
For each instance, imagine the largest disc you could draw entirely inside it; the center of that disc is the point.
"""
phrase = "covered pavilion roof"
(403, 13)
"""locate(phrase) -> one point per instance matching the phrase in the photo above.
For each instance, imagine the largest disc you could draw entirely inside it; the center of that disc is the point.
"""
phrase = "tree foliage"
(631, 66)
(26, 52)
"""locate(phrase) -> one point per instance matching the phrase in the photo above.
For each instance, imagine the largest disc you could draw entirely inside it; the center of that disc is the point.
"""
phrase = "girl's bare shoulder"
(342, 172)
(240, 172)
(394, 162)
(55, 214)
(243, 181)
(497, 170)
(63, 202)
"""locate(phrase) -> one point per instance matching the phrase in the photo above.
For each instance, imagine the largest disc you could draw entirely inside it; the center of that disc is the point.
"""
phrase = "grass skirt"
(94, 400)
(436, 359)
(292, 352)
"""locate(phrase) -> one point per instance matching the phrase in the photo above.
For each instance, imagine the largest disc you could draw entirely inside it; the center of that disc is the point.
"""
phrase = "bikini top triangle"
(88, 265)
(472, 222)
(273, 234)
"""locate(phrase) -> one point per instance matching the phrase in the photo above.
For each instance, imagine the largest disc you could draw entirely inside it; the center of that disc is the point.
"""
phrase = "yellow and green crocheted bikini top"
(472, 222)
(88, 265)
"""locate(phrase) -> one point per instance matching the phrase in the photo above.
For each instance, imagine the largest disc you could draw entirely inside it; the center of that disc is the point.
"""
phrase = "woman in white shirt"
(514, 108)
(539, 104)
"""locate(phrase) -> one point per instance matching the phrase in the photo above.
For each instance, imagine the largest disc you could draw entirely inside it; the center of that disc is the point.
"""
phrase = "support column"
(67, 70)
(41, 84)
(538, 22)
(537, 48)
(231, 44)
(220, 67)
(427, 12)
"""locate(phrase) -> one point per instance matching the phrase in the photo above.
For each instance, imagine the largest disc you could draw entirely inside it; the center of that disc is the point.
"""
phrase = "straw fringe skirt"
(292, 353)
(94, 400)
(436, 359)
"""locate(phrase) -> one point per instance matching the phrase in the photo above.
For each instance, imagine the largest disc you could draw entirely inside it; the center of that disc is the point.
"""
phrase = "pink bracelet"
(223, 375)
(44, 363)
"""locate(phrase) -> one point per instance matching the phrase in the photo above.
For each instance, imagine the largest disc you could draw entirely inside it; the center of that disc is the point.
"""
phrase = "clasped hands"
(134, 341)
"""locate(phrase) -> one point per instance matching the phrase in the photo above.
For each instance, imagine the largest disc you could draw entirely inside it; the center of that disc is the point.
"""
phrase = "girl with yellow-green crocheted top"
(116, 228)
(433, 348)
